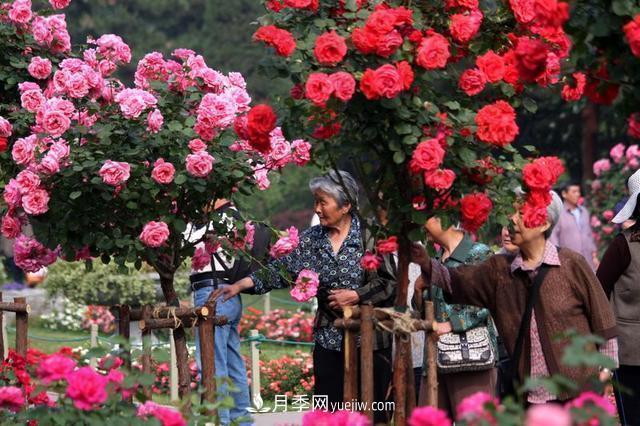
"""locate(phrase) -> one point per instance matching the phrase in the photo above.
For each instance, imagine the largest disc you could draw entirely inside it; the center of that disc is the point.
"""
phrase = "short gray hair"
(342, 188)
(554, 209)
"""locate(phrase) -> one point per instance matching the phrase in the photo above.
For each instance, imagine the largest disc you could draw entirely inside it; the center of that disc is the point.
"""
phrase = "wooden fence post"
(146, 349)
(206, 332)
(173, 368)
(3, 337)
(124, 322)
(350, 361)
(431, 353)
(267, 303)
(22, 327)
(367, 337)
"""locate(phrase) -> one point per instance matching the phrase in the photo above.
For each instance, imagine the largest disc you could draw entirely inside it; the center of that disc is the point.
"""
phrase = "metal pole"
(256, 398)
(94, 343)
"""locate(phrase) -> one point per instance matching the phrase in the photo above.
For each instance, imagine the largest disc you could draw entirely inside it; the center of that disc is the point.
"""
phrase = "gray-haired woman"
(569, 296)
(333, 250)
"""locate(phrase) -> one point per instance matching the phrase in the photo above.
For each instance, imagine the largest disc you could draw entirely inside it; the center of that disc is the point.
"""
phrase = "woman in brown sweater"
(570, 297)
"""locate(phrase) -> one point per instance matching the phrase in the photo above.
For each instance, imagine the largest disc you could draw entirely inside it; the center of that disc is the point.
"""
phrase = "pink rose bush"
(154, 234)
(285, 244)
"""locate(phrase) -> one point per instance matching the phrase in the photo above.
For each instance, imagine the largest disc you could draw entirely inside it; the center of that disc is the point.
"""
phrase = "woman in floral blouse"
(333, 250)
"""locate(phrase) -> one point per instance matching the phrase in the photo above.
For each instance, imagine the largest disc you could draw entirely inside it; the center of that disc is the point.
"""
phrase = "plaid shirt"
(539, 368)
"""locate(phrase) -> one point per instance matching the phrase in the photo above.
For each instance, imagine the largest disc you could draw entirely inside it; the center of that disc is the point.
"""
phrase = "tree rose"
(87, 389)
(154, 234)
(11, 227)
(154, 121)
(286, 244)
(301, 152)
(330, 48)
(163, 172)
(427, 156)
(387, 246)
(497, 123)
(306, 286)
(55, 367)
(491, 65)
(439, 179)
(6, 128)
(39, 68)
(472, 81)
(318, 88)
(570, 93)
(464, 26)
(199, 164)
(433, 52)
(36, 202)
(474, 211)
(370, 261)
(344, 85)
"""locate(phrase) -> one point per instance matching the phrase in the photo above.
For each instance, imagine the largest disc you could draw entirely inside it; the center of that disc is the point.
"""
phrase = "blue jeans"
(228, 361)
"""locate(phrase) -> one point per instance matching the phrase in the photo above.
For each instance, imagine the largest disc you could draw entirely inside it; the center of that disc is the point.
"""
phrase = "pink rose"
(134, 101)
(199, 164)
(595, 222)
(77, 85)
(261, 176)
(163, 172)
(11, 398)
(39, 68)
(475, 407)
(370, 261)
(617, 153)
(631, 153)
(547, 415)
(439, 179)
(608, 214)
(23, 151)
(200, 259)
(86, 388)
(32, 100)
(55, 367)
(36, 202)
(337, 418)
(280, 153)
(154, 234)
(60, 149)
(50, 164)
(20, 11)
(250, 232)
(428, 416)
(608, 229)
(115, 173)
(5, 128)
(592, 403)
(196, 145)
(286, 244)
(600, 166)
(11, 226)
(30, 255)
(59, 4)
(154, 121)
(11, 194)
(301, 152)
(55, 122)
(27, 181)
(166, 416)
(344, 85)
(306, 286)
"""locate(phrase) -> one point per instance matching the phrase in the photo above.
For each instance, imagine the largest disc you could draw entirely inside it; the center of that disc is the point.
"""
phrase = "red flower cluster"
(386, 81)
(539, 177)
(484, 172)
(474, 210)
(634, 125)
(387, 246)
(321, 86)
(330, 48)
(433, 51)
(427, 156)
(632, 33)
(497, 124)
(598, 88)
(464, 26)
(261, 120)
(281, 40)
(381, 32)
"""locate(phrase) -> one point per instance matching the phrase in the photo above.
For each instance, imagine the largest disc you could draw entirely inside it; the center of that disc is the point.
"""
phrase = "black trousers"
(628, 400)
(328, 373)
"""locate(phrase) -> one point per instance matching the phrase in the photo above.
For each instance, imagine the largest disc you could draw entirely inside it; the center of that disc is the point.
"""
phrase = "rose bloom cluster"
(56, 99)
(290, 375)
(306, 286)
(539, 176)
(278, 324)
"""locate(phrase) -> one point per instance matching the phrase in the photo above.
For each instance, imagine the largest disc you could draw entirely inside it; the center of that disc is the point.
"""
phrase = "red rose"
(492, 65)
(302, 4)
(406, 74)
(539, 198)
(387, 246)
(387, 81)
(415, 37)
(531, 58)
(330, 48)
(439, 179)
(497, 124)
(387, 44)
(297, 92)
(523, 10)
(634, 125)
(474, 210)
(433, 52)
(318, 88)
(464, 26)
(542, 173)
(274, 5)
(364, 40)
(261, 120)
(632, 33)
(370, 261)
(240, 126)
(570, 93)
(381, 21)
(599, 91)
(343, 85)
(367, 85)
(281, 40)
(472, 81)
(427, 156)
(533, 215)
(465, 4)
(4, 144)
(511, 74)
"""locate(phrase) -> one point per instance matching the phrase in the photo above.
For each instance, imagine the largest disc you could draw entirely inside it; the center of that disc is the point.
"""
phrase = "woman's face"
(433, 226)
(327, 209)
(506, 240)
(519, 233)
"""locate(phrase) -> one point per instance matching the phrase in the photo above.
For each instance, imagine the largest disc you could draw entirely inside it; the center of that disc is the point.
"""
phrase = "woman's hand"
(342, 297)
(419, 256)
(443, 328)
(226, 292)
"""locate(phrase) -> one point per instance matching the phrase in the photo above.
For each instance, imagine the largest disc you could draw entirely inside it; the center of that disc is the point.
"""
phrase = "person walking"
(619, 274)
(573, 230)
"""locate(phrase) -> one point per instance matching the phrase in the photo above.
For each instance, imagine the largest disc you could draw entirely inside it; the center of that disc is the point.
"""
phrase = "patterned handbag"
(467, 351)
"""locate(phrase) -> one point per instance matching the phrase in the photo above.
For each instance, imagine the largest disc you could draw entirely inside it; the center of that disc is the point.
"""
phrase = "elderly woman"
(619, 274)
(534, 296)
(333, 250)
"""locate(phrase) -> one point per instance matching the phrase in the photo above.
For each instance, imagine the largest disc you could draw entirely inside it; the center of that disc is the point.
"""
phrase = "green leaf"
(622, 7)
(75, 194)
(132, 205)
(180, 179)
(399, 157)
(507, 90)
(530, 105)
(403, 128)
(179, 225)
(467, 155)
(452, 105)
